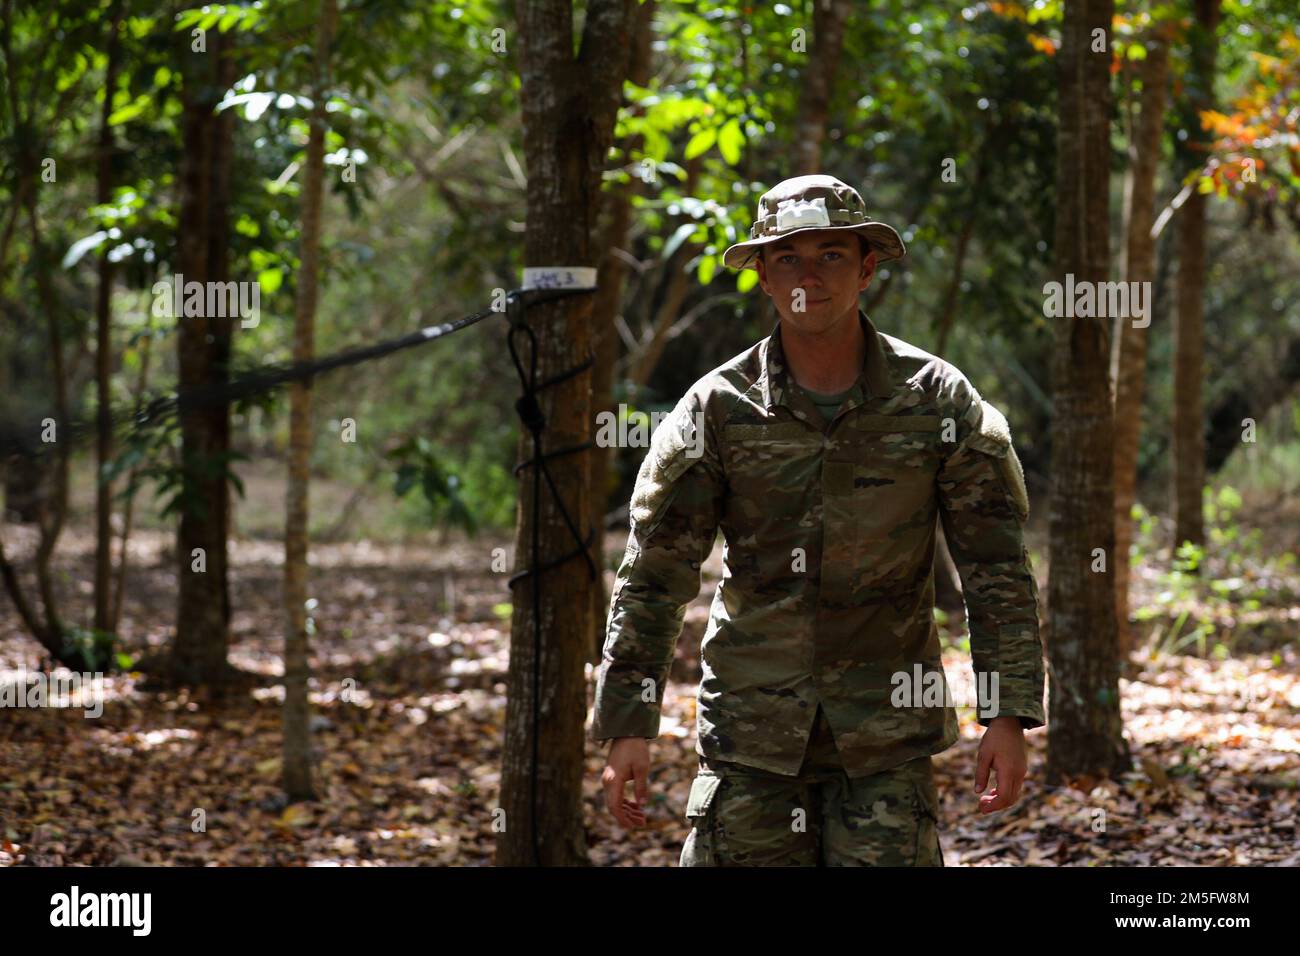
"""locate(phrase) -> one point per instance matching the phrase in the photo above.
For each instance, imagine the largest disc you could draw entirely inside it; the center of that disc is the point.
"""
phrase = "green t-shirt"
(828, 405)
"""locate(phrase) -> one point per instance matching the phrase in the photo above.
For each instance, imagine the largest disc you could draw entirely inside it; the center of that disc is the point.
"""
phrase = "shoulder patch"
(674, 447)
(993, 437)
(1014, 475)
(994, 434)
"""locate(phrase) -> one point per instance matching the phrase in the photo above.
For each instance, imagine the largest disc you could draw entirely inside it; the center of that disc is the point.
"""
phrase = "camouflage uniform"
(827, 591)
(821, 817)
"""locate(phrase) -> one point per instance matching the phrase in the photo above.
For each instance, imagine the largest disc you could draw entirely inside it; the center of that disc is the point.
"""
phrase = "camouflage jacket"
(827, 591)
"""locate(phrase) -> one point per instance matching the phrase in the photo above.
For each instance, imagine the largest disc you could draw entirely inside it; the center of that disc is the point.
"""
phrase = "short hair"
(864, 247)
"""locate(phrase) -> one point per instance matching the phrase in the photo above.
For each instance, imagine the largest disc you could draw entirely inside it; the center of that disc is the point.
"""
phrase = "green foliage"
(1206, 589)
(150, 453)
(423, 101)
(96, 648)
(419, 466)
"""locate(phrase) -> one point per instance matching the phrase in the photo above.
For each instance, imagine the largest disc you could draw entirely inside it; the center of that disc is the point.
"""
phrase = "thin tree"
(297, 707)
(1189, 330)
(568, 106)
(608, 302)
(818, 80)
(198, 654)
(23, 109)
(103, 345)
(1085, 732)
(1129, 351)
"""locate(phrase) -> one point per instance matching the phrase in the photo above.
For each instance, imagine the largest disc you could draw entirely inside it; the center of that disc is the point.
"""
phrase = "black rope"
(245, 385)
(18, 439)
(530, 412)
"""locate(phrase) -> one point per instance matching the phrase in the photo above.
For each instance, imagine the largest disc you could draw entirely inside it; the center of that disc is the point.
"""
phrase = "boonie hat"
(810, 202)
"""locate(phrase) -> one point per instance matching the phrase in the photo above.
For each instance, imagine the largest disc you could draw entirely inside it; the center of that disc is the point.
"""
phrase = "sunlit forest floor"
(408, 770)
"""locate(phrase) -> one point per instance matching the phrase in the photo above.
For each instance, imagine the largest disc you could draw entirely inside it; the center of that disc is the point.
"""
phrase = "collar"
(873, 380)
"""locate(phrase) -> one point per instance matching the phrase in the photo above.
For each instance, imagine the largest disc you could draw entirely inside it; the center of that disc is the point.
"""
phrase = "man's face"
(827, 265)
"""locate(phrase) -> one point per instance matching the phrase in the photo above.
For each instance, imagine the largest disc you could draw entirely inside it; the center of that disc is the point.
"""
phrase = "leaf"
(730, 139)
(130, 111)
(296, 815)
(708, 266)
(407, 475)
(747, 279)
(270, 280)
(701, 142)
(1042, 44)
(82, 246)
(677, 238)
(255, 104)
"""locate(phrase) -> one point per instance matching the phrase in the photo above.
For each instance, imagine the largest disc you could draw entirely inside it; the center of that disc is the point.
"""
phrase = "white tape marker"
(560, 277)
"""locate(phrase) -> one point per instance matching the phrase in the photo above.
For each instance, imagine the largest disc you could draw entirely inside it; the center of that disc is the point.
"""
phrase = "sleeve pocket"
(701, 846)
(656, 483)
(703, 789)
(994, 438)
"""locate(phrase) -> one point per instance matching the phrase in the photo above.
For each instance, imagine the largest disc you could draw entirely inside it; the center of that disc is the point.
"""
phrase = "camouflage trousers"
(743, 816)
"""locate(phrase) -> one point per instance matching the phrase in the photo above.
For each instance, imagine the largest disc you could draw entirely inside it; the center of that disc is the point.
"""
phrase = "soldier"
(825, 454)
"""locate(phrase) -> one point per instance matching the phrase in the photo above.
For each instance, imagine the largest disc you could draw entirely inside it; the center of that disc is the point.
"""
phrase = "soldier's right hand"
(629, 759)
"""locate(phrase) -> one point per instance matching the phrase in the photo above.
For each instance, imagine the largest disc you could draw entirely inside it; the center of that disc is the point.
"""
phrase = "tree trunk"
(568, 109)
(829, 17)
(608, 299)
(1085, 730)
(297, 777)
(48, 467)
(948, 311)
(1252, 397)
(53, 510)
(104, 350)
(23, 478)
(1189, 331)
(128, 509)
(947, 580)
(670, 303)
(1129, 352)
(198, 655)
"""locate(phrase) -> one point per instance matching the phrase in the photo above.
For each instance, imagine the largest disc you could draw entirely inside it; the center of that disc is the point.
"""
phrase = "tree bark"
(1189, 330)
(608, 300)
(568, 109)
(678, 282)
(1129, 351)
(1085, 731)
(48, 468)
(948, 311)
(198, 654)
(53, 510)
(128, 509)
(297, 765)
(829, 17)
(104, 349)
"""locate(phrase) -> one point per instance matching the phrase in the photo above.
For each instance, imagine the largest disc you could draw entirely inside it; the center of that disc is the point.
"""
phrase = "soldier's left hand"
(1003, 749)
